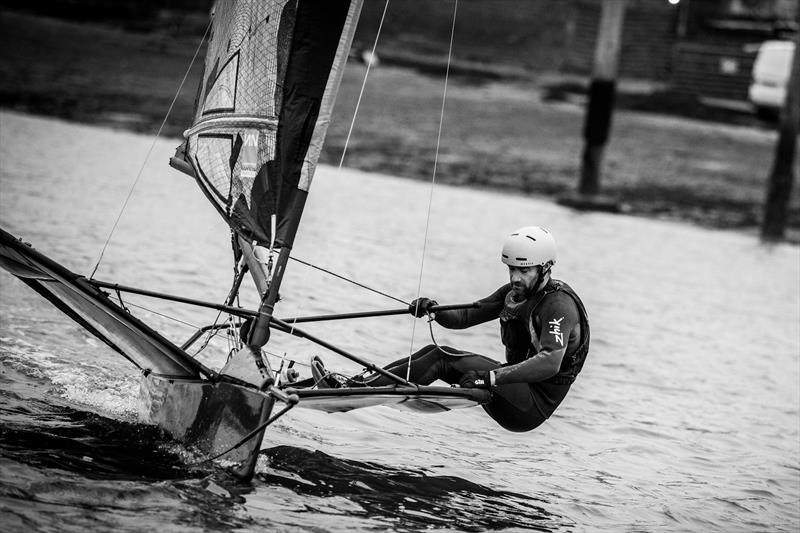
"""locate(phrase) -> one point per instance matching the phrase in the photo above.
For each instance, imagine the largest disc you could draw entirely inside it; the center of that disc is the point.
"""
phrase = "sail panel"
(271, 73)
(118, 331)
(96, 312)
(243, 57)
(329, 98)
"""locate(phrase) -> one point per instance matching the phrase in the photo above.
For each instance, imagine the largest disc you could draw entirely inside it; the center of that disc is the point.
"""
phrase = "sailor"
(543, 326)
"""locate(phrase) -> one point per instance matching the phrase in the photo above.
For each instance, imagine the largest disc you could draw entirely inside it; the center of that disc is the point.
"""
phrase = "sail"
(96, 312)
(271, 74)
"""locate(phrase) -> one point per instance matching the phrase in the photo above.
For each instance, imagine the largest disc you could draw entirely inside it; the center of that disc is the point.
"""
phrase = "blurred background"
(693, 135)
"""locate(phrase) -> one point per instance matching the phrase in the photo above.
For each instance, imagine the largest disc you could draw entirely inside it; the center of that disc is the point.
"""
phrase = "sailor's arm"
(540, 367)
(488, 309)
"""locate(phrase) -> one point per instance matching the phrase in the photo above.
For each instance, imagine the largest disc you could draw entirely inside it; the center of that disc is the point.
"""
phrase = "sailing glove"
(420, 306)
(476, 379)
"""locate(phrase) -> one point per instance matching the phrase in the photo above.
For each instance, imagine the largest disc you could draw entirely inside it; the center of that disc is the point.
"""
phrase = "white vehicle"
(771, 71)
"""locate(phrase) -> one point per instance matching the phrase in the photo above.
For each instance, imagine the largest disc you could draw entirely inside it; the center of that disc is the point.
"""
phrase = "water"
(686, 416)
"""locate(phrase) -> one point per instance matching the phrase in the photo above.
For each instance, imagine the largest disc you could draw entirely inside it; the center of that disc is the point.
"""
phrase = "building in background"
(717, 42)
(702, 47)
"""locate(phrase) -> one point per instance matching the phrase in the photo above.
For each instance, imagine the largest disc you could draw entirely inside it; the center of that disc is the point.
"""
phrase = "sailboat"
(271, 75)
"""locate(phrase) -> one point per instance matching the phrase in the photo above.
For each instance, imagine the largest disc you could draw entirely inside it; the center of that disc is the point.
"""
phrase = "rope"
(295, 361)
(435, 343)
(363, 84)
(246, 438)
(210, 335)
(334, 274)
(143, 308)
(433, 181)
(149, 152)
(232, 333)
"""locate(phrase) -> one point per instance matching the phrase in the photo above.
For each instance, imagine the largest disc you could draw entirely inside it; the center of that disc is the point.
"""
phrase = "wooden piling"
(779, 186)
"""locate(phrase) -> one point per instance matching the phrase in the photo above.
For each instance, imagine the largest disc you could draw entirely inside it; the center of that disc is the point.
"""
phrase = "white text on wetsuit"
(555, 330)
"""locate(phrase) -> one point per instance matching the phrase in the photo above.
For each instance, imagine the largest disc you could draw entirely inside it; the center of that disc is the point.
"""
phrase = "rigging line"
(247, 437)
(334, 274)
(435, 343)
(149, 152)
(210, 335)
(296, 362)
(143, 308)
(433, 181)
(370, 60)
(214, 332)
(233, 297)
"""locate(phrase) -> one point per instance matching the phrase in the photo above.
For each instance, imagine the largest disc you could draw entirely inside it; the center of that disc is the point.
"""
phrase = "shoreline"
(500, 133)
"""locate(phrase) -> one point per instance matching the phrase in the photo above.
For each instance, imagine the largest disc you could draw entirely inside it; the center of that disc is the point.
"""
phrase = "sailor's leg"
(456, 366)
(512, 406)
(432, 363)
(524, 406)
(427, 365)
(422, 362)
(425, 361)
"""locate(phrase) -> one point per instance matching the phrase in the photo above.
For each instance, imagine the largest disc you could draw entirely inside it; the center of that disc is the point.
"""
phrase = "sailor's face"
(523, 279)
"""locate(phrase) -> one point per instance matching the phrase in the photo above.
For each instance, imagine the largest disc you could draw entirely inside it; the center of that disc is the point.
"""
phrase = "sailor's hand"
(420, 306)
(477, 379)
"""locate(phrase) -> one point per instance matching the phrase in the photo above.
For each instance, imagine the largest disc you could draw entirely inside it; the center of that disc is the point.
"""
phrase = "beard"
(522, 291)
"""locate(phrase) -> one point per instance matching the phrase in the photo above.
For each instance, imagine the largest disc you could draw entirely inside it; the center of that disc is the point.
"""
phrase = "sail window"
(213, 161)
(221, 96)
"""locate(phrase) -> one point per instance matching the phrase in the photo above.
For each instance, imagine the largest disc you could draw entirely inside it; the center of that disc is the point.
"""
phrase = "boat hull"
(211, 417)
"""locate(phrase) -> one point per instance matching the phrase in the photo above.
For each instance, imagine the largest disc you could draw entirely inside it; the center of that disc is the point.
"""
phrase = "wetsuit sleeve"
(489, 309)
(559, 331)
(559, 319)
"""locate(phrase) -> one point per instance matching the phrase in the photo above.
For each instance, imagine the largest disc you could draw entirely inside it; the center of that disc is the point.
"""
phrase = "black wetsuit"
(549, 319)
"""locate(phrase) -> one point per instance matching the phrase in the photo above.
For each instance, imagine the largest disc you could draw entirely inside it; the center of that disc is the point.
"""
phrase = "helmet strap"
(544, 274)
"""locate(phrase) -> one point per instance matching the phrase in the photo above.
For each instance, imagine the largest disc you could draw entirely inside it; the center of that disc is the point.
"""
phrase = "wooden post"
(682, 27)
(779, 186)
(602, 92)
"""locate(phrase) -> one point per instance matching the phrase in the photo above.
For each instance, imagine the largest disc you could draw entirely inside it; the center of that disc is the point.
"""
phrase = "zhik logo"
(555, 330)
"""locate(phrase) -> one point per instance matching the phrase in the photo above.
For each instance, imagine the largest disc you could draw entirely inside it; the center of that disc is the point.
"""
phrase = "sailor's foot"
(331, 380)
(356, 381)
(323, 378)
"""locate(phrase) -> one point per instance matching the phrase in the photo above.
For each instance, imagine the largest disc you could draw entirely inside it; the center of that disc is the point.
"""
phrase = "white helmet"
(530, 246)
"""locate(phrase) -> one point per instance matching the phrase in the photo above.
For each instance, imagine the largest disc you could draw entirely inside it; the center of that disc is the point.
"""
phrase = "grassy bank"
(500, 133)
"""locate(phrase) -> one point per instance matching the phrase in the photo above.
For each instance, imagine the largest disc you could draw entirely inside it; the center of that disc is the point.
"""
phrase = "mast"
(314, 70)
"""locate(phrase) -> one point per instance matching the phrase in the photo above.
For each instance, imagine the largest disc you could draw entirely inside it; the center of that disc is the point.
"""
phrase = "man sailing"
(543, 325)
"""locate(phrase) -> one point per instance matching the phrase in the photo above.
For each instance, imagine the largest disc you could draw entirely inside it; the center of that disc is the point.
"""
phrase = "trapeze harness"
(524, 406)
